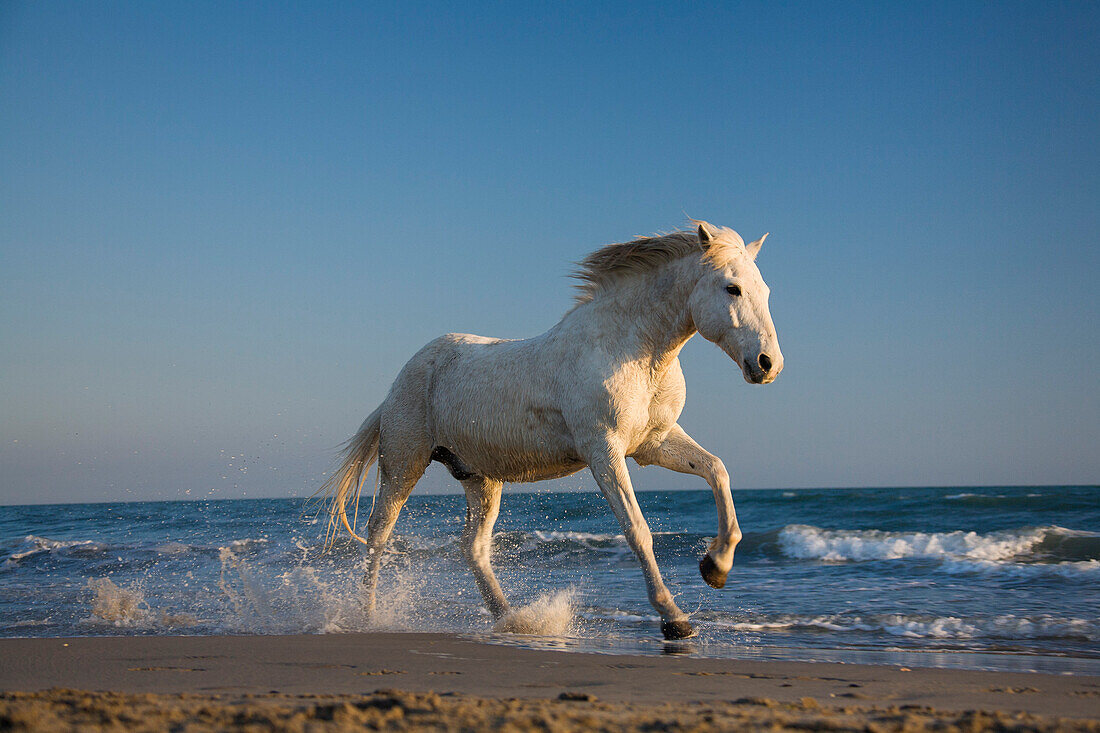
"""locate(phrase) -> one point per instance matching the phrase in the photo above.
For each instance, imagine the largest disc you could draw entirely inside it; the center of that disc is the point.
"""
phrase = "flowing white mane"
(613, 262)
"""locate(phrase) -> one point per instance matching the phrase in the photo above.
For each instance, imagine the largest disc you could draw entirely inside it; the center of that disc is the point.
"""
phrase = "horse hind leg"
(398, 471)
(482, 508)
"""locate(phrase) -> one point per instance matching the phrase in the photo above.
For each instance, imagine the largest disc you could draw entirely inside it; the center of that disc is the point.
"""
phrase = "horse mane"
(613, 262)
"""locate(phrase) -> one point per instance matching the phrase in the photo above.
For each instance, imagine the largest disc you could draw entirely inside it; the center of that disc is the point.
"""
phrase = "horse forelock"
(612, 262)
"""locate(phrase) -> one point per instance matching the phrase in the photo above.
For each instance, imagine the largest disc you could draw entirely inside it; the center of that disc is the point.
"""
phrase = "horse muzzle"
(763, 371)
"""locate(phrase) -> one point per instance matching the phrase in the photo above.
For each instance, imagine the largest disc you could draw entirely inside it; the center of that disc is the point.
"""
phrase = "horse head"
(729, 304)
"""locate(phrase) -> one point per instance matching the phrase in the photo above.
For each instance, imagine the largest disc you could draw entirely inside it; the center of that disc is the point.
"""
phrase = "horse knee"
(641, 539)
(475, 550)
(719, 476)
(468, 549)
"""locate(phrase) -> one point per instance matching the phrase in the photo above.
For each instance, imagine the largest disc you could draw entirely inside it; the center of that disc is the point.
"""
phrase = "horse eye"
(733, 289)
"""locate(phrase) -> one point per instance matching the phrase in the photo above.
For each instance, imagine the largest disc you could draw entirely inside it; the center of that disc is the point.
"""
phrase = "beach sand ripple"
(63, 709)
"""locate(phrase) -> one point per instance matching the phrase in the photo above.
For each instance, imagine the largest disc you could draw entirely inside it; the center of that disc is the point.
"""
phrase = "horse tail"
(360, 452)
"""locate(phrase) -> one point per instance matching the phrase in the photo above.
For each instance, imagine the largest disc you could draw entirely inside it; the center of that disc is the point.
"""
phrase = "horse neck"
(647, 316)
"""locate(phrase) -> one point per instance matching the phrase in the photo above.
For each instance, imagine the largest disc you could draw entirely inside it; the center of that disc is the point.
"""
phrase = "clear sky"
(224, 227)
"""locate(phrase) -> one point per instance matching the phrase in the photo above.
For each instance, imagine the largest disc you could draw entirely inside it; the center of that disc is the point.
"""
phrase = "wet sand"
(397, 681)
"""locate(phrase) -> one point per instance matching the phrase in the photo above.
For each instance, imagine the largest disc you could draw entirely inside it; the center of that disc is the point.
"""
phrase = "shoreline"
(947, 659)
(240, 667)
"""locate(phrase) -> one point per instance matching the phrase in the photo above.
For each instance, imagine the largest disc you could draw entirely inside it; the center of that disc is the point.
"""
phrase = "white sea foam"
(585, 538)
(932, 627)
(604, 543)
(615, 614)
(601, 541)
(30, 622)
(968, 497)
(248, 543)
(1068, 569)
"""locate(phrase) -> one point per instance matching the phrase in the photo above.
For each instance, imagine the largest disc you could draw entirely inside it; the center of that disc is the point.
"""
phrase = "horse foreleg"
(679, 452)
(482, 508)
(609, 467)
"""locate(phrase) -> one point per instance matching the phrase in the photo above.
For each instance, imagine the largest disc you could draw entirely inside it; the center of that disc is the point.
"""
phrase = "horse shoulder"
(610, 401)
(666, 405)
(671, 393)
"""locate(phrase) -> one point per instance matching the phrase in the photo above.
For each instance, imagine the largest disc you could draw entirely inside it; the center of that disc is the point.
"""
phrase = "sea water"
(998, 578)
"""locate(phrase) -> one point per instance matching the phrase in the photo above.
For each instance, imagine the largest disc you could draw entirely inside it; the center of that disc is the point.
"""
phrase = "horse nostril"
(765, 362)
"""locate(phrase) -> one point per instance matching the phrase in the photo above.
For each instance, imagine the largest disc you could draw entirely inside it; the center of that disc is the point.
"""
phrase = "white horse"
(602, 385)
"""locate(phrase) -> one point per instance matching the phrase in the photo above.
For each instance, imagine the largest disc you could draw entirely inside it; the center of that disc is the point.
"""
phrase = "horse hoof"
(677, 629)
(715, 578)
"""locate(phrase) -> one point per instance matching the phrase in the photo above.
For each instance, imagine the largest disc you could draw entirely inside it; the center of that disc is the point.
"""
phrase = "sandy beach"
(398, 681)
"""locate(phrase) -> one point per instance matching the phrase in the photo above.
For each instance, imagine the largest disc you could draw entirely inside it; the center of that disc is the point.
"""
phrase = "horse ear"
(705, 237)
(753, 248)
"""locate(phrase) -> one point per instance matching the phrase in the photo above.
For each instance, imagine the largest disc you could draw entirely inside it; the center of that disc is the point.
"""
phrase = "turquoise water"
(992, 577)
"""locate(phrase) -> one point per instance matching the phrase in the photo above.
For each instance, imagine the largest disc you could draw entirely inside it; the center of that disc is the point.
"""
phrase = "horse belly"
(536, 472)
(536, 447)
(493, 406)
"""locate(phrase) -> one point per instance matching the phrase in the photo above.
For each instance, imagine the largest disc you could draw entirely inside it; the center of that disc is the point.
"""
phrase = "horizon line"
(578, 491)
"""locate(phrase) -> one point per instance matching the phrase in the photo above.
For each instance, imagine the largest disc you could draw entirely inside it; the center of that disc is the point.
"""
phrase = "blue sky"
(225, 227)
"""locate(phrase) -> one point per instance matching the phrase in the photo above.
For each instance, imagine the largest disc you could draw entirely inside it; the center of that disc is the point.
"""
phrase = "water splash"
(118, 605)
(551, 614)
(329, 598)
(126, 607)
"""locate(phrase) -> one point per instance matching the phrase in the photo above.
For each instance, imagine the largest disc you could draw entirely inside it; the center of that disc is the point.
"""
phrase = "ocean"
(985, 578)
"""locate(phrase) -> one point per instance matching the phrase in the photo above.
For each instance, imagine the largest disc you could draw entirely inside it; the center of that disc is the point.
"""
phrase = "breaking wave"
(33, 545)
(1047, 549)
